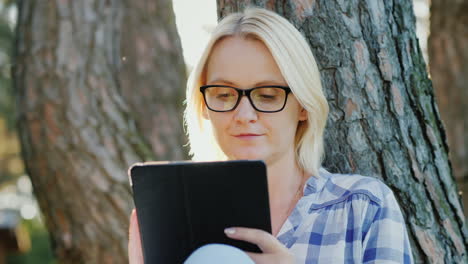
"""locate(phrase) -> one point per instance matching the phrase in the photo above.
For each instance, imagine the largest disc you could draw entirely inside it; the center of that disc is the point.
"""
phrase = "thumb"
(135, 252)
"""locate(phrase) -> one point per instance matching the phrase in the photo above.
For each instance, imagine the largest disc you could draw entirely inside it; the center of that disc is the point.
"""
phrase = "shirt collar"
(316, 183)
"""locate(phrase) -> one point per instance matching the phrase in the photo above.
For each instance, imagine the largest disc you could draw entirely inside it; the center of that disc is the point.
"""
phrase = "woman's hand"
(273, 250)
(135, 252)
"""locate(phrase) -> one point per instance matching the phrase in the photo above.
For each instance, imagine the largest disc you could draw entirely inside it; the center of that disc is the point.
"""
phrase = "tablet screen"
(182, 206)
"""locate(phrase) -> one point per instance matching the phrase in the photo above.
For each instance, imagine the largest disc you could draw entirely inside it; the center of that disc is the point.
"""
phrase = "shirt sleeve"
(385, 238)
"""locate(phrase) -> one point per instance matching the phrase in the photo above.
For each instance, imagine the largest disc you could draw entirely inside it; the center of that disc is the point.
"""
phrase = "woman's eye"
(224, 95)
(267, 96)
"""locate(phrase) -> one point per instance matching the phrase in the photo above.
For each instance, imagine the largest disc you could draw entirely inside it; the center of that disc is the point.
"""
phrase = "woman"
(256, 94)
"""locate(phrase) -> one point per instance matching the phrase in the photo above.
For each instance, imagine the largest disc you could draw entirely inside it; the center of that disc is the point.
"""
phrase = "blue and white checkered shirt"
(346, 219)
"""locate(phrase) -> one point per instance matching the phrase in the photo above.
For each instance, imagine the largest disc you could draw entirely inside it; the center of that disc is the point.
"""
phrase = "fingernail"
(230, 231)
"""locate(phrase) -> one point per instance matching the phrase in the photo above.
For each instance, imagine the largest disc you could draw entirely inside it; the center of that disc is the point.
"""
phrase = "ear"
(303, 114)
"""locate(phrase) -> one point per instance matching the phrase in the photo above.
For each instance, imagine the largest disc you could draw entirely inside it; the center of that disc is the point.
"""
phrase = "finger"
(264, 240)
(135, 252)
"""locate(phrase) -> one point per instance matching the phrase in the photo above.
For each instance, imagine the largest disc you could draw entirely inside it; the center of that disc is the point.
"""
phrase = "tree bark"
(383, 118)
(449, 71)
(99, 86)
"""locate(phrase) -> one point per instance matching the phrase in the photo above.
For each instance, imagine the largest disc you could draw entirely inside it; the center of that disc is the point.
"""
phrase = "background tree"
(383, 119)
(98, 87)
(449, 72)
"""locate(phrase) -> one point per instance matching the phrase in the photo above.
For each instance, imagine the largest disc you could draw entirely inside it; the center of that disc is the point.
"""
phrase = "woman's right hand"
(135, 251)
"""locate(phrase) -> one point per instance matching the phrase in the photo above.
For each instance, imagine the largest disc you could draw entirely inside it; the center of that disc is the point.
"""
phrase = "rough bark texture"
(93, 81)
(383, 120)
(448, 55)
(153, 74)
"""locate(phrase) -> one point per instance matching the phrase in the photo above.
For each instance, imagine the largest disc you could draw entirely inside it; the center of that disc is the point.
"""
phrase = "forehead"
(242, 60)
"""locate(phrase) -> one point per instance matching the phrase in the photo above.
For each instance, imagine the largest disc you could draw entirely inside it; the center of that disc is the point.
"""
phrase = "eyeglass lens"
(264, 99)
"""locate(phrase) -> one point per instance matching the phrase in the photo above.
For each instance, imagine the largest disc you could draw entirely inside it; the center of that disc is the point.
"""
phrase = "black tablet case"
(182, 206)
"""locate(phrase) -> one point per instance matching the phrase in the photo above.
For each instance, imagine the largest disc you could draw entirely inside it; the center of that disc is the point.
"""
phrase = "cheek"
(219, 123)
(284, 129)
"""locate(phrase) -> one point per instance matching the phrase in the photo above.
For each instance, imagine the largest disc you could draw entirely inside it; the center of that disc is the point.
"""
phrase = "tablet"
(182, 206)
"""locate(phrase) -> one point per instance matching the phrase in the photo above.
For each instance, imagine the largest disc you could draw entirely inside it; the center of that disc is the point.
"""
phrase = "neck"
(285, 182)
(284, 178)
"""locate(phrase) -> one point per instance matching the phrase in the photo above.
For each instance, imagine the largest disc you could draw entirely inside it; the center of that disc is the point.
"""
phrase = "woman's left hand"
(273, 250)
(135, 252)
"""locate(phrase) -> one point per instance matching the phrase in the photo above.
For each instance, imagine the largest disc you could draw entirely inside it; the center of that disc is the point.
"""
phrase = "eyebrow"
(219, 80)
(266, 82)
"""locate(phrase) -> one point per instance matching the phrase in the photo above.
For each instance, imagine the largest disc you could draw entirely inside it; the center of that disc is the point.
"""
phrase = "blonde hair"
(297, 64)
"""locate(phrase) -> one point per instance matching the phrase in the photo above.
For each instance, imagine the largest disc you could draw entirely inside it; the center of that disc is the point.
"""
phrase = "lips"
(247, 136)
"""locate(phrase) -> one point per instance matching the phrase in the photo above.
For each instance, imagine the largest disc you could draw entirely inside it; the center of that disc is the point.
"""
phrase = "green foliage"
(7, 111)
(40, 251)
(10, 162)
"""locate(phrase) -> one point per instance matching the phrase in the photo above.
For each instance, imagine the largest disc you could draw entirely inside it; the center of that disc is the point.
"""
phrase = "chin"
(249, 154)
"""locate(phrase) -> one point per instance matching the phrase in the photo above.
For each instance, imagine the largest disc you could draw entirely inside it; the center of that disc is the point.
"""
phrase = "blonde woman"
(256, 94)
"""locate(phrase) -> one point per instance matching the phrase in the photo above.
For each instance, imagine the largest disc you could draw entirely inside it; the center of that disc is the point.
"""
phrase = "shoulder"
(346, 209)
(338, 188)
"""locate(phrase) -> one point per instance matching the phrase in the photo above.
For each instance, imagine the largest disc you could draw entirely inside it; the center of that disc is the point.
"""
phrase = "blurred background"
(23, 237)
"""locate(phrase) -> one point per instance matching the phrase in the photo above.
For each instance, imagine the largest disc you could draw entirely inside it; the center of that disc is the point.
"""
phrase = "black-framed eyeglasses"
(266, 99)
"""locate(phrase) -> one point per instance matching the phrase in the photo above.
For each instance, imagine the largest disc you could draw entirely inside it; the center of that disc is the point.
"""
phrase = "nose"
(245, 113)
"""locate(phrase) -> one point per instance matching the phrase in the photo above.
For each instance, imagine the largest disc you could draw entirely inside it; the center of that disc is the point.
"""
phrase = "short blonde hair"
(297, 64)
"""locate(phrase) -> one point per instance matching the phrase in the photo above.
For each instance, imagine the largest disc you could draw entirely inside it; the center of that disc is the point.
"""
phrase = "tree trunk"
(99, 86)
(383, 119)
(449, 71)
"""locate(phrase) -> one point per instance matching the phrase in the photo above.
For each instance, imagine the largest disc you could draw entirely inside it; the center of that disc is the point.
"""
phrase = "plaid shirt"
(346, 219)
